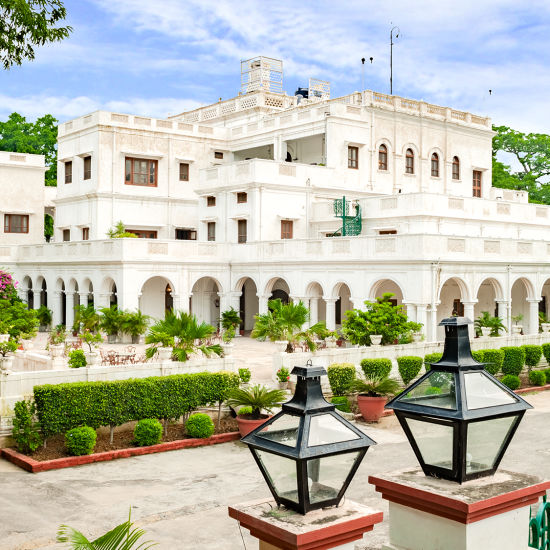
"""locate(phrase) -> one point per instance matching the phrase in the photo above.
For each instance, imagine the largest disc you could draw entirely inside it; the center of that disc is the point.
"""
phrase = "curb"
(533, 389)
(35, 466)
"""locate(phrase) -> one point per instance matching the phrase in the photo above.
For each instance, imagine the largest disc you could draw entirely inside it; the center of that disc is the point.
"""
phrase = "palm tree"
(184, 333)
(122, 537)
(258, 398)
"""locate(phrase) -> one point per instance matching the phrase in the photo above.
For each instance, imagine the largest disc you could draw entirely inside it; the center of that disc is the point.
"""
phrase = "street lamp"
(458, 418)
(307, 453)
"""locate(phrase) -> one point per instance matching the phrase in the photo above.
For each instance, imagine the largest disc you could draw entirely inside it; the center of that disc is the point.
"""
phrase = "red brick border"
(533, 389)
(35, 466)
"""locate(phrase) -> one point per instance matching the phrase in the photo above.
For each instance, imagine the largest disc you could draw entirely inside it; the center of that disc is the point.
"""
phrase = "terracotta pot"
(246, 425)
(372, 408)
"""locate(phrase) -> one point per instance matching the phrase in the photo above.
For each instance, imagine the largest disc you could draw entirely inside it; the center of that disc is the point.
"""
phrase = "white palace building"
(234, 203)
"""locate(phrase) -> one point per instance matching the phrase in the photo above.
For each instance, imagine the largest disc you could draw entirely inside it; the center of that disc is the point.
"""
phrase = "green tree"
(48, 227)
(25, 24)
(37, 138)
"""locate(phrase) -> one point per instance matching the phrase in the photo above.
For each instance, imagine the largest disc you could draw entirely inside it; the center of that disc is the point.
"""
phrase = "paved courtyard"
(181, 497)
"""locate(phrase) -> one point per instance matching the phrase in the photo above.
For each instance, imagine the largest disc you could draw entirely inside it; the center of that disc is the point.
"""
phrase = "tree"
(25, 24)
(38, 138)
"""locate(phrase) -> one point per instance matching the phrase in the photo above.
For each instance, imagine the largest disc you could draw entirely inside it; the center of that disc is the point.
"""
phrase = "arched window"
(435, 165)
(409, 162)
(382, 157)
(456, 168)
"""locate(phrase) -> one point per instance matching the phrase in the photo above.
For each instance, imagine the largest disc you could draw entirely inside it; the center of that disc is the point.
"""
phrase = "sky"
(157, 58)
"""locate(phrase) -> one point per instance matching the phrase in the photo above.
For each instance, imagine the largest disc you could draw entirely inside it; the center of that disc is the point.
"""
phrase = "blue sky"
(163, 57)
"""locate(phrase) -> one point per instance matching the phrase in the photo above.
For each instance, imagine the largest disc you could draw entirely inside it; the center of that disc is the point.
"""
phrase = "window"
(409, 162)
(218, 155)
(69, 172)
(382, 157)
(242, 197)
(287, 227)
(87, 168)
(458, 307)
(435, 165)
(211, 231)
(143, 233)
(85, 233)
(456, 168)
(387, 232)
(66, 235)
(186, 235)
(353, 157)
(211, 201)
(477, 183)
(241, 231)
(184, 171)
(14, 223)
(141, 172)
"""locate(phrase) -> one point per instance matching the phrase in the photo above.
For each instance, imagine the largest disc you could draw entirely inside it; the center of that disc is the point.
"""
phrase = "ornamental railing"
(538, 526)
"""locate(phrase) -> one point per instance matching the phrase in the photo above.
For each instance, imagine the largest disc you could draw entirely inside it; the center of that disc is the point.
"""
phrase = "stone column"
(533, 327)
(411, 311)
(421, 316)
(55, 306)
(262, 303)
(313, 311)
(503, 313)
(181, 302)
(83, 298)
(331, 312)
(70, 304)
(357, 303)
(469, 314)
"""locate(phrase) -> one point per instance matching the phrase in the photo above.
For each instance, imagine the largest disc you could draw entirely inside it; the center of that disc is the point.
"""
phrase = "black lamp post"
(307, 453)
(458, 418)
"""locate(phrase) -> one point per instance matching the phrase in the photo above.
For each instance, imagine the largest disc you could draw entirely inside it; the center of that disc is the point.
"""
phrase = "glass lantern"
(458, 418)
(308, 453)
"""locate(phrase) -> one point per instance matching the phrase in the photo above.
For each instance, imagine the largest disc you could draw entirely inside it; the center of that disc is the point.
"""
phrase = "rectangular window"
(14, 223)
(353, 157)
(211, 231)
(85, 233)
(141, 172)
(477, 183)
(184, 171)
(69, 172)
(211, 201)
(387, 232)
(218, 155)
(87, 168)
(458, 307)
(186, 235)
(66, 235)
(241, 231)
(143, 233)
(242, 197)
(287, 229)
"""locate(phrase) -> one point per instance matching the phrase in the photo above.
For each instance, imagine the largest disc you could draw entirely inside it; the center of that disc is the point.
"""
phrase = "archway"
(280, 290)
(62, 301)
(156, 297)
(248, 303)
(520, 293)
(317, 306)
(452, 296)
(108, 293)
(43, 293)
(544, 304)
(88, 289)
(342, 293)
(205, 302)
(29, 294)
(379, 288)
(488, 293)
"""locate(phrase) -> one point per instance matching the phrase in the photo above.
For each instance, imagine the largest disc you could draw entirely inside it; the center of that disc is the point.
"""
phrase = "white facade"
(260, 167)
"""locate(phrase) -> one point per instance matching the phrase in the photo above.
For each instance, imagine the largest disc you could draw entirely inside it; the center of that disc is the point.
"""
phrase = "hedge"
(341, 377)
(537, 377)
(513, 382)
(546, 352)
(431, 358)
(62, 407)
(409, 367)
(533, 355)
(514, 359)
(478, 355)
(341, 402)
(376, 368)
(493, 359)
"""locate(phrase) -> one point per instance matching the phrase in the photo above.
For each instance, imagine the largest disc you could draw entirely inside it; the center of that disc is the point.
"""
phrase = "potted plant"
(92, 340)
(134, 323)
(516, 328)
(227, 336)
(258, 398)
(6, 362)
(283, 376)
(230, 320)
(111, 322)
(56, 341)
(544, 322)
(487, 325)
(44, 316)
(373, 393)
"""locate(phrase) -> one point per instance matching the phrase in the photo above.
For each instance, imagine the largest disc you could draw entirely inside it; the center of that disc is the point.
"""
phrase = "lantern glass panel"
(326, 476)
(434, 441)
(281, 472)
(485, 441)
(284, 430)
(437, 390)
(325, 429)
(482, 392)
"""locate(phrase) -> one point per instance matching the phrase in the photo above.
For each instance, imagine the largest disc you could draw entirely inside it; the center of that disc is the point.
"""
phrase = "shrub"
(409, 367)
(493, 359)
(283, 375)
(546, 352)
(537, 377)
(80, 441)
(478, 355)
(244, 375)
(431, 358)
(199, 425)
(25, 431)
(547, 374)
(533, 355)
(513, 382)
(148, 432)
(342, 403)
(341, 377)
(432, 390)
(376, 368)
(77, 359)
(514, 359)
(245, 411)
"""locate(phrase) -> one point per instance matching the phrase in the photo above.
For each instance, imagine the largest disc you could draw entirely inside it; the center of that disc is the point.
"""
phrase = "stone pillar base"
(282, 529)
(490, 513)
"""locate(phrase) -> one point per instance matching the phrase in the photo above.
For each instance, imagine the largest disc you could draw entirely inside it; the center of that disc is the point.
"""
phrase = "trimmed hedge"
(409, 367)
(533, 355)
(546, 352)
(80, 441)
(77, 359)
(478, 355)
(342, 403)
(62, 407)
(493, 359)
(341, 377)
(199, 425)
(376, 368)
(514, 359)
(148, 432)
(537, 378)
(431, 358)
(513, 382)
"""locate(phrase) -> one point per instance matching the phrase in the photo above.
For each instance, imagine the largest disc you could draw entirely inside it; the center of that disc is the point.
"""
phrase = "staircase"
(351, 225)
